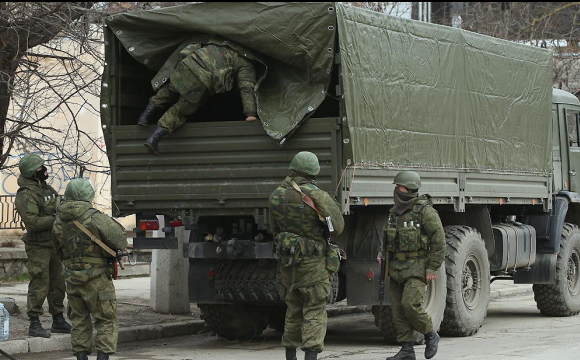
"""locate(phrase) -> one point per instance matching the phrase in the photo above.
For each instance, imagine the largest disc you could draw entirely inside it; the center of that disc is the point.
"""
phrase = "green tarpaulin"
(419, 94)
(416, 94)
(294, 40)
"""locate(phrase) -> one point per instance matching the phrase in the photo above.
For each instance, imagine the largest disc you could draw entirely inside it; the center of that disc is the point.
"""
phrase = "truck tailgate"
(214, 166)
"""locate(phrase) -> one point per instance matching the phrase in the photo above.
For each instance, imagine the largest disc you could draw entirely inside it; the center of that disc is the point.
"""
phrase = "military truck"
(496, 146)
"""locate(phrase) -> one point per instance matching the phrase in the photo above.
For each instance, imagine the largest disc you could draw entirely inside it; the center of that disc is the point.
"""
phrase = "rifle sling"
(95, 239)
(308, 201)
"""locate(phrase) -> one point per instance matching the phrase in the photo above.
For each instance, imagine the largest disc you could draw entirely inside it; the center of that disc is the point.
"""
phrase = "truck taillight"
(176, 223)
(148, 225)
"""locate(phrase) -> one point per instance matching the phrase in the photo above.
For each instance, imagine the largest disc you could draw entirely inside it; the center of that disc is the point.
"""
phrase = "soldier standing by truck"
(90, 288)
(205, 70)
(415, 243)
(36, 202)
(301, 243)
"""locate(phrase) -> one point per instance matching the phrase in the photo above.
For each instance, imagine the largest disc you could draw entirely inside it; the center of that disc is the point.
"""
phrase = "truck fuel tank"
(515, 246)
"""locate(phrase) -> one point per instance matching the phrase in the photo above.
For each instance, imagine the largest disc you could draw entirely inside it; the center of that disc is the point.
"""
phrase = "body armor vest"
(405, 232)
(300, 230)
(48, 201)
(78, 246)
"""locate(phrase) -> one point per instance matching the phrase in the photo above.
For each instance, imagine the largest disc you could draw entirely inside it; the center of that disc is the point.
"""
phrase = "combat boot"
(151, 143)
(59, 324)
(290, 353)
(151, 114)
(310, 354)
(102, 356)
(82, 355)
(432, 343)
(36, 329)
(406, 353)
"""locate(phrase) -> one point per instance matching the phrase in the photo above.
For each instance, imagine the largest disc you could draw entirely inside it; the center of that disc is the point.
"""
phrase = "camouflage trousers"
(96, 298)
(408, 312)
(46, 281)
(179, 107)
(305, 325)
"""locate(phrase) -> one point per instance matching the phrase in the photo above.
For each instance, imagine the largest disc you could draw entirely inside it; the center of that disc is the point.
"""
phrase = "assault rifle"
(384, 268)
(385, 260)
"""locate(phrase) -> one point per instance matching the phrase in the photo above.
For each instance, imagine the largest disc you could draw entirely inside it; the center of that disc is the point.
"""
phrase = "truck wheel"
(434, 305)
(250, 281)
(333, 288)
(468, 281)
(384, 322)
(234, 322)
(563, 298)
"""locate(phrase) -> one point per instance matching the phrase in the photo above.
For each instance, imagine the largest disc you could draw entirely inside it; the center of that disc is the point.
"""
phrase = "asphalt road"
(513, 329)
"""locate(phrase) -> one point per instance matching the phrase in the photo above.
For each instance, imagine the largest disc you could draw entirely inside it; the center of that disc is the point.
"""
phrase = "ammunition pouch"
(292, 248)
(423, 254)
(332, 258)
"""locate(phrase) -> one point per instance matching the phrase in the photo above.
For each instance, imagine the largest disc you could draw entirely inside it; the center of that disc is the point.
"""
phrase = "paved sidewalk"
(137, 322)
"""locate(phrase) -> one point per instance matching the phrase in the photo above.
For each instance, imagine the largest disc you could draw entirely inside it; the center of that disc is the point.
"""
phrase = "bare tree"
(23, 26)
(51, 60)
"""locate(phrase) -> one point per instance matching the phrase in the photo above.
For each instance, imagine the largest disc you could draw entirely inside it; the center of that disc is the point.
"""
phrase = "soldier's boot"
(102, 356)
(406, 353)
(151, 143)
(82, 355)
(432, 343)
(290, 353)
(310, 354)
(59, 324)
(151, 114)
(36, 329)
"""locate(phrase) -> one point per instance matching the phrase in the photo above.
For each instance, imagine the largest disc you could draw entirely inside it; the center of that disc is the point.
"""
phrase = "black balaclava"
(41, 174)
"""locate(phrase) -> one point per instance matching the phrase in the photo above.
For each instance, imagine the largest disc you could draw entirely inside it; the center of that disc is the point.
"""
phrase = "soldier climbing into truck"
(204, 69)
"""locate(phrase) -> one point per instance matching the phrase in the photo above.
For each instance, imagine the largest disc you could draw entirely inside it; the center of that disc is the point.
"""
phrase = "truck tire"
(333, 288)
(434, 305)
(234, 322)
(468, 281)
(384, 322)
(563, 298)
(249, 281)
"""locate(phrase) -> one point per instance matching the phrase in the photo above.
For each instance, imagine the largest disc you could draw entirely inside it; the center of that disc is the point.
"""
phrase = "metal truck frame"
(215, 178)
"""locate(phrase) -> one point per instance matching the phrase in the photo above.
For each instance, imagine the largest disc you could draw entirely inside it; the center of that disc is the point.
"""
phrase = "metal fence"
(9, 217)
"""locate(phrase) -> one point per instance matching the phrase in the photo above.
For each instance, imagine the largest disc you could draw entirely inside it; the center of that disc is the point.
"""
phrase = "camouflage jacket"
(36, 203)
(417, 232)
(293, 223)
(84, 260)
(217, 67)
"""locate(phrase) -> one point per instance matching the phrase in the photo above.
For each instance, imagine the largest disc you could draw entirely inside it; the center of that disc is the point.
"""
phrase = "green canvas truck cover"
(430, 96)
(416, 94)
(295, 41)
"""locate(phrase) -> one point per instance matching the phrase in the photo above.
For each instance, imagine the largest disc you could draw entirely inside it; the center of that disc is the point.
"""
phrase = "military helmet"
(29, 163)
(409, 179)
(305, 162)
(79, 189)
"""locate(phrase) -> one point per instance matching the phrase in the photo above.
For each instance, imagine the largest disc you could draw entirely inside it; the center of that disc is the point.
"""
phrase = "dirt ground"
(129, 315)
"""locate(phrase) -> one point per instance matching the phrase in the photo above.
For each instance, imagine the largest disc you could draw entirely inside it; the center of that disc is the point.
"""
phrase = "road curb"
(60, 342)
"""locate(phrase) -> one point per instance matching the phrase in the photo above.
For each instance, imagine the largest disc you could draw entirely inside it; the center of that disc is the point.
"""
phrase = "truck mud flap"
(155, 243)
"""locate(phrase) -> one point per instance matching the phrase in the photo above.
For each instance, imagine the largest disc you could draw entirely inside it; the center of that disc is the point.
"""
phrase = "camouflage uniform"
(36, 203)
(304, 274)
(87, 271)
(413, 249)
(203, 72)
